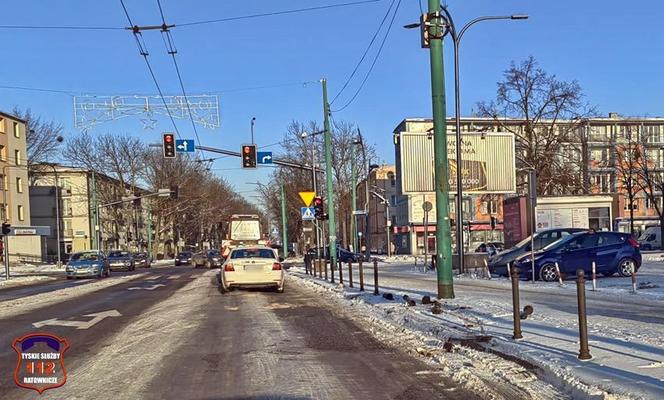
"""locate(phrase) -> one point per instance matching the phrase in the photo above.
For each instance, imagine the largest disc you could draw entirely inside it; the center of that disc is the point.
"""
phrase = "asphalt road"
(168, 333)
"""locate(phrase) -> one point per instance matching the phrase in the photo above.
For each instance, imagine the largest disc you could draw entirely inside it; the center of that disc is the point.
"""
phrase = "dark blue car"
(611, 251)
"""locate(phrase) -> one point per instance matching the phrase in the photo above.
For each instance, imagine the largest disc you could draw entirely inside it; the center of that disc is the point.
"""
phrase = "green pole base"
(445, 291)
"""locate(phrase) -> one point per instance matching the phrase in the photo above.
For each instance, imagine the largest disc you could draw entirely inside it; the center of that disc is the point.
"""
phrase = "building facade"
(14, 174)
(382, 214)
(78, 192)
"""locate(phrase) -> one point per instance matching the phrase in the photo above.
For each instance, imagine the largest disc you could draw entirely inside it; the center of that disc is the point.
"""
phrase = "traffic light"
(318, 207)
(6, 228)
(169, 145)
(249, 156)
(174, 192)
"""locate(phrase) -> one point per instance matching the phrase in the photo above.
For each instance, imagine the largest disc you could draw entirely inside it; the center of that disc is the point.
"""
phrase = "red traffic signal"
(249, 156)
(169, 145)
(318, 207)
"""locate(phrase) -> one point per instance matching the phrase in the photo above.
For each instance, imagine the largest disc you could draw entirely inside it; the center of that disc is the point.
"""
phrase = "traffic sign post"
(264, 157)
(185, 146)
(307, 213)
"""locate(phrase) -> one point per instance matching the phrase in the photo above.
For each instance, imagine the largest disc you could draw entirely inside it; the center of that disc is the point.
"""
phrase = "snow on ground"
(628, 352)
(489, 375)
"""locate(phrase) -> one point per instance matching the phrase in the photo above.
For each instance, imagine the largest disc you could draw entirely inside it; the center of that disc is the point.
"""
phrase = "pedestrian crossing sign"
(308, 214)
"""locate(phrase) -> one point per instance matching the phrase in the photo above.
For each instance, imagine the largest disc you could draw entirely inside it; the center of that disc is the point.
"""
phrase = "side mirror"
(281, 259)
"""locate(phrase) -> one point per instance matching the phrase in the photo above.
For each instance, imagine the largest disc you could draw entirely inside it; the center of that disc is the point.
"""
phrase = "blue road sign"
(264, 157)
(184, 145)
(308, 213)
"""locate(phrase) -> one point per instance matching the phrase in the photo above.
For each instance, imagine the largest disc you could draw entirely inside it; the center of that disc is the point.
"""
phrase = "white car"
(252, 266)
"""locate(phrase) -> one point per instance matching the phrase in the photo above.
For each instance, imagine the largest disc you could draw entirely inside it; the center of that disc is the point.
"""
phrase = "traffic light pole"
(284, 227)
(328, 177)
(443, 238)
(353, 207)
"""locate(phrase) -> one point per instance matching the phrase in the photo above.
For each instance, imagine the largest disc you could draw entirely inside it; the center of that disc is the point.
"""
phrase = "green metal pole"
(353, 225)
(149, 233)
(284, 227)
(332, 231)
(443, 237)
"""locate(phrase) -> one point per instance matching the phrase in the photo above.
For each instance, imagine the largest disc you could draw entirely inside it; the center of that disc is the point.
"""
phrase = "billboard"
(487, 162)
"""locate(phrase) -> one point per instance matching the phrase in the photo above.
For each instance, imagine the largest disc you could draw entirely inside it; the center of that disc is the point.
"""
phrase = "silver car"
(88, 264)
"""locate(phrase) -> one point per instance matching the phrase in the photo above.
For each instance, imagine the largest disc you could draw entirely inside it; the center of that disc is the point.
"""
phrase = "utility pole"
(443, 238)
(284, 228)
(149, 233)
(353, 207)
(328, 177)
(96, 227)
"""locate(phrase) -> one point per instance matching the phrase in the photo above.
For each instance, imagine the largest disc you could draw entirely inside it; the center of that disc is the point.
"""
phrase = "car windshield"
(252, 253)
(84, 257)
(184, 254)
(525, 241)
(558, 242)
(118, 254)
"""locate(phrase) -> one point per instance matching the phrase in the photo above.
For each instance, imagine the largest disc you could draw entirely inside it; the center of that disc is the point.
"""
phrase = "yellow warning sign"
(307, 197)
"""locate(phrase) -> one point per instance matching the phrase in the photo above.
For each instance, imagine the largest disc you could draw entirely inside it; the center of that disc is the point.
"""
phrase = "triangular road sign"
(307, 197)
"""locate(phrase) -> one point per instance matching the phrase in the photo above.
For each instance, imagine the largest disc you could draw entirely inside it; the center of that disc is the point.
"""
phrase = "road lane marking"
(174, 276)
(153, 287)
(97, 317)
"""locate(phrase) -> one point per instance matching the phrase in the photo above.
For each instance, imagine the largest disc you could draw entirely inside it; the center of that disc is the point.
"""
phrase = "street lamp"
(360, 142)
(305, 135)
(456, 39)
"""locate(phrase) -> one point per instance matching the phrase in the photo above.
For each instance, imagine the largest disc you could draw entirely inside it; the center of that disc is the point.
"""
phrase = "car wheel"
(626, 266)
(100, 274)
(70, 277)
(548, 273)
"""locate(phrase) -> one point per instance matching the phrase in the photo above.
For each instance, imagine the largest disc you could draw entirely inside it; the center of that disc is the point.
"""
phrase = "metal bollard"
(331, 270)
(350, 273)
(560, 277)
(341, 271)
(584, 352)
(514, 274)
(361, 277)
(375, 277)
(594, 276)
(486, 269)
(325, 265)
(509, 270)
(633, 279)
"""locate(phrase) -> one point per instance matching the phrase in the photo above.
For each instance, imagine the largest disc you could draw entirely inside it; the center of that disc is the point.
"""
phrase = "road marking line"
(97, 317)
(153, 287)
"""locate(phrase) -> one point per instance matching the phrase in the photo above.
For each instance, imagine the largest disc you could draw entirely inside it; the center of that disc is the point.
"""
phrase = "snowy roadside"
(625, 366)
(449, 350)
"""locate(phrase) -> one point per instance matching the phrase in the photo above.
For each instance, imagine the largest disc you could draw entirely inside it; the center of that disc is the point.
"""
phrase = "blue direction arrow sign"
(185, 145)
(264, 157)
(307, 213)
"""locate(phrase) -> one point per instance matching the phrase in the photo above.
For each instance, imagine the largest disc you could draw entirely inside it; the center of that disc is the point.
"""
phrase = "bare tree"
(629, 162)
(651, 181)
(549, 112)
(42, 138)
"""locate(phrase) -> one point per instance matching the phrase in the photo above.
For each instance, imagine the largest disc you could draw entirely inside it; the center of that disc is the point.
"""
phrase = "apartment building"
(382, 216)
(14, 174)
(77, 192)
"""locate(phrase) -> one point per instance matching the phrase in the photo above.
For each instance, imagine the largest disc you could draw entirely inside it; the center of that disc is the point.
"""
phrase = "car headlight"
(95, 265)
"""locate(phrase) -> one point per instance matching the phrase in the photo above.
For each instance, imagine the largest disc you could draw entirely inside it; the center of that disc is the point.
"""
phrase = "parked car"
(611, 251)
(252, 266)
(491, 248)
(183, 257)
(207, 258)
(651, 238)
(498, 262)
(120, 259)
(342, 254)
(87, 263)
(142, 260)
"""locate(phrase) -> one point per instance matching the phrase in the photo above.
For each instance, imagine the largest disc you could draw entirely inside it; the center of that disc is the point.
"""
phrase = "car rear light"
(229, 267)
(633, 243)
(276, 267)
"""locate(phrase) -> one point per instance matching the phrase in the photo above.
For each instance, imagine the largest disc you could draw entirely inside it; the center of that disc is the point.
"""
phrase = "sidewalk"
(629, 366)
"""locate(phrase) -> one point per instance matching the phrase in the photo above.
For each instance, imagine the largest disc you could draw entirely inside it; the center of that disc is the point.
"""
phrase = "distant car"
(252, 266)
(498, 262)
(142, 260)
(183, 257)
(491, 248)
(651, 238)
(611, 251)
(87, 264)
(120, 259)
(208, 259)
(342, 254)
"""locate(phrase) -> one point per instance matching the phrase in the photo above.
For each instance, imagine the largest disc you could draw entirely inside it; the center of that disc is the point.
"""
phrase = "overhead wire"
(143, 51)
(380, 49)
(366, 51)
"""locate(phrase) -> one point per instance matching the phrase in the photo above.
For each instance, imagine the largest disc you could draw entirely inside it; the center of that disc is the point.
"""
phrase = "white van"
(651, 238)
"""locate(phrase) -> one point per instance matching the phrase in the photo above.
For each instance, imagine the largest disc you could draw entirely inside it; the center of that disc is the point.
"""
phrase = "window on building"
(3, 213)
(21, 216)
(651, 204)
(17, 157)
(635, 205)
(2, 125)
(602, 182)
(64, 183)
(19, 185)
(652, 133)
(489, 207)
(66, 207)
(392, 178)
(2, 183)
(3, 153)
(600, 155)
(17, 130)
(393, 200)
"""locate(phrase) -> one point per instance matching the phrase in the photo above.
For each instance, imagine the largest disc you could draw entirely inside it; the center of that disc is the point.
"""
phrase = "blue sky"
(615, 51)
